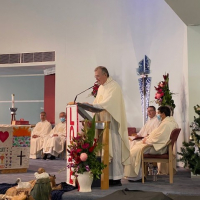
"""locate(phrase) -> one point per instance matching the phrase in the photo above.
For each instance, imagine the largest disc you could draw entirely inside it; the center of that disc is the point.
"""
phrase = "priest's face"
(42, 117)
(100, 76)
(151, 112)
(162, 115)
(62, 117)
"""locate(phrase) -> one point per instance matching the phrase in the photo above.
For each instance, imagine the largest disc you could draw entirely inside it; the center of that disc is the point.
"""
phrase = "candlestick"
(13, 101)
(13, 113)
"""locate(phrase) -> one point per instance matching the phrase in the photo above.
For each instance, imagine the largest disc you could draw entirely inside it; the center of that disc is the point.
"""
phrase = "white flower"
(196, 149)
(195, 126)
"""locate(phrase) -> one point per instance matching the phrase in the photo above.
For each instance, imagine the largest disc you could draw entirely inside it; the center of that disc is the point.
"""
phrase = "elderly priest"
(41, 130)
(55, 142)
(152, 123)
(110, 98)
(157, 138)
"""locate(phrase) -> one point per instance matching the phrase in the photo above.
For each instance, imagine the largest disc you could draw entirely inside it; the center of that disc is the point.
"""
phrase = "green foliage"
(197, 109)
(83, 150)
(167, 98)
(190, 152)
(163, 95)
(197, 120)
(96, 167)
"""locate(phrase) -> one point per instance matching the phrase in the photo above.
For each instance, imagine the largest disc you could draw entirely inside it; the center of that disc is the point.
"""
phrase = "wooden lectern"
(105, 158)
(72, 129)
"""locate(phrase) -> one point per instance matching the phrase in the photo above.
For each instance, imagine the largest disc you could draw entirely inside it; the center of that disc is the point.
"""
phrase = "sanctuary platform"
(183, 183)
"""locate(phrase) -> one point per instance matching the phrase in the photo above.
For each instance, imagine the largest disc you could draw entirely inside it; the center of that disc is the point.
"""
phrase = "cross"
(21, 157)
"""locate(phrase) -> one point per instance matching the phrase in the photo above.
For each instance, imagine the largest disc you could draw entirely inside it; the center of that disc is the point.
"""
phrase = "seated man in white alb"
(54, 143)
(152, 123)
(41, 130)
(157, 139)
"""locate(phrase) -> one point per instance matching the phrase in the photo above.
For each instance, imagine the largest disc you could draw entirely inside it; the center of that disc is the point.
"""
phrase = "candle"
(13, 101)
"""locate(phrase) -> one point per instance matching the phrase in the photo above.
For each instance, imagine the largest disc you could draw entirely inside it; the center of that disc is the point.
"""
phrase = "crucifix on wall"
(21, 157)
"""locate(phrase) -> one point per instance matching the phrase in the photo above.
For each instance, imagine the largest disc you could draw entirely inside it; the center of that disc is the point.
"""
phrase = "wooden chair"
(164, 158)
(131, 131)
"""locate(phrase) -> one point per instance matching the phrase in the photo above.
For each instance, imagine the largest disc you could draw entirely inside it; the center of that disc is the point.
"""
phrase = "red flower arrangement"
(95, 89)
(163, 95)
(82, 152)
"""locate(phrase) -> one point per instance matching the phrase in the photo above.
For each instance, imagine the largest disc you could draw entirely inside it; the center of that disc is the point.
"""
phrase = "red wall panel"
(49, 97)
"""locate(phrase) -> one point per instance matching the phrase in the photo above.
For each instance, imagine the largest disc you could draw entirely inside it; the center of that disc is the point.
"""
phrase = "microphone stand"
(81, 93)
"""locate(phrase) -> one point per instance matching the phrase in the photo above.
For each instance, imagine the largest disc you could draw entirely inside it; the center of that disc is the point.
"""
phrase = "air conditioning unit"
(49, 71)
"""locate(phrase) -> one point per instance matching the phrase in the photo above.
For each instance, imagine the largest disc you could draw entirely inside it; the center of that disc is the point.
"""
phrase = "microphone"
(82, 92)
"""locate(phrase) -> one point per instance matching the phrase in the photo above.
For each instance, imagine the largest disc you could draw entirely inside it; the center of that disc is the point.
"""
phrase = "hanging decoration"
(144, 85)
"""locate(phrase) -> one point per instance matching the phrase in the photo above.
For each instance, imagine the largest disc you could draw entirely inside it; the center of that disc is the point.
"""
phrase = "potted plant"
(163, 95)
(82, 159)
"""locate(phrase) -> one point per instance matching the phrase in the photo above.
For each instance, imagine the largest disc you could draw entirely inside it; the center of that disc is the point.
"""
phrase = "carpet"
(55, 195)
(127, 194)
(183, 197)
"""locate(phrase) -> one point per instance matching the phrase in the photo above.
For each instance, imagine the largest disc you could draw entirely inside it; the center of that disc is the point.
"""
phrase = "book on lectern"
(82, 107)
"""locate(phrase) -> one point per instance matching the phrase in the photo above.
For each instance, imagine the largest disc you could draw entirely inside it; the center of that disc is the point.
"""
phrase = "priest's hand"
(136, 136)
(55, 135)
(144, 140)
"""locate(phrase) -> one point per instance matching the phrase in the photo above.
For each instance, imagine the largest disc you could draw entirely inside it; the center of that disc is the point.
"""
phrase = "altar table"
(14, 148)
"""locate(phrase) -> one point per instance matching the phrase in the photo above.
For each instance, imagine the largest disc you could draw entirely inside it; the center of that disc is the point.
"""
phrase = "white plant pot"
(85, 182)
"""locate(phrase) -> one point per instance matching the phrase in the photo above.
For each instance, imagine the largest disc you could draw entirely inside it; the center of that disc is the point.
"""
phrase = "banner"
(72, 126)
(144, 85)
